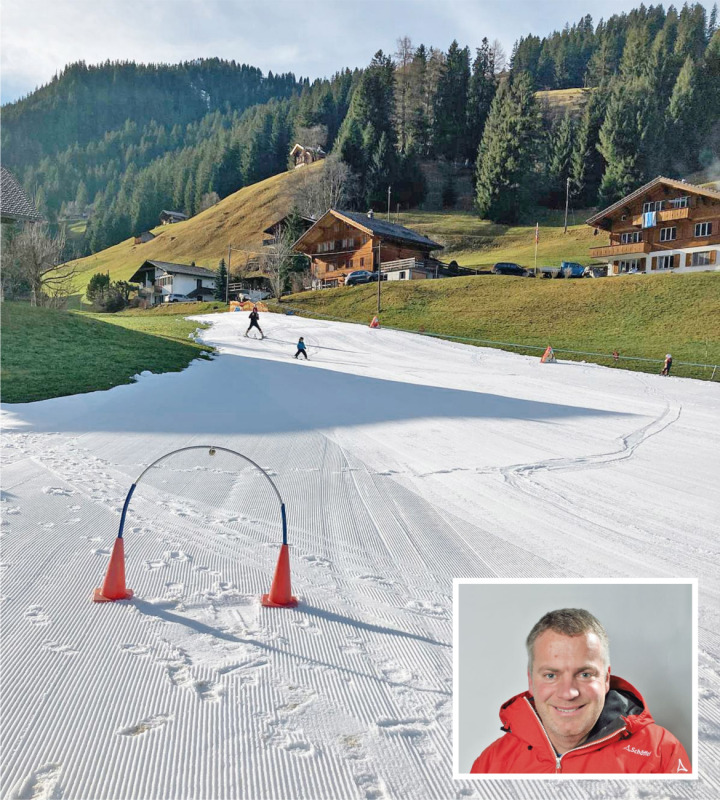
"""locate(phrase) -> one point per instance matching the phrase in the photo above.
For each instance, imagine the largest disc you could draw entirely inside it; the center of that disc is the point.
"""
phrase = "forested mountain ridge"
(121, 141)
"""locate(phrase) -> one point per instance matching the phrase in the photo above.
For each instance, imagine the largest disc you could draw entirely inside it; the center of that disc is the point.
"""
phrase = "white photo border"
(692, 582)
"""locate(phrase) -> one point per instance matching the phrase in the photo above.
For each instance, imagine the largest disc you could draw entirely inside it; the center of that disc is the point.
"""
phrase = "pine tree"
(560, 160)
(587, 164)
(221, 281)
(685, 112)
(450, 107)
(481, 91)
(622, 138)
(506, 168)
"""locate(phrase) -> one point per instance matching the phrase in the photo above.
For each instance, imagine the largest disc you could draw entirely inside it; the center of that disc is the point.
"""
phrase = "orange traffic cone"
(375, 323)
(548, 357)
(280, 591)
(114, 586)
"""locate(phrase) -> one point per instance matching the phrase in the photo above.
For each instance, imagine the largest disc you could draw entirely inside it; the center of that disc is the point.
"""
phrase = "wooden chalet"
(341, 242)
(145, 236)
(171, 217)
(306, 155)
(666, 225)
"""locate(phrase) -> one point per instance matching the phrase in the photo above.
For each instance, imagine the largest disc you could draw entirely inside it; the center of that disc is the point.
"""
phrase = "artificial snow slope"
(404, 462)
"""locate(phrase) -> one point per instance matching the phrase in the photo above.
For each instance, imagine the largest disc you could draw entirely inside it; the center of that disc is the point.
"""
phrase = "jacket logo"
(680, 767)
(638, 752)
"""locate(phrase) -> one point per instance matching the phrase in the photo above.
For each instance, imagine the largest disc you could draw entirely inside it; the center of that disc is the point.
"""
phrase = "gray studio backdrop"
(650, 629)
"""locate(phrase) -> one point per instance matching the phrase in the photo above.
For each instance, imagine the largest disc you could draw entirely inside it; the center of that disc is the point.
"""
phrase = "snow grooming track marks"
(348, 696)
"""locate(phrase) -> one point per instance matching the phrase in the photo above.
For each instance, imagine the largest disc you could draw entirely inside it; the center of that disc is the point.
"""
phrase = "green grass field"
(48, 353)
(641, 316)
(479, 243)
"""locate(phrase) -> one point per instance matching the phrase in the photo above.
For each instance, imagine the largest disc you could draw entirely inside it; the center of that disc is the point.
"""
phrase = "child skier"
(667, 365)
(301, 348)
(254, 317)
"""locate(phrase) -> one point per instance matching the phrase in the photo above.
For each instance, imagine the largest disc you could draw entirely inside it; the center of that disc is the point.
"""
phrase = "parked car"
(179, 298)
(359, 276)
(508, 268)
(567, 269)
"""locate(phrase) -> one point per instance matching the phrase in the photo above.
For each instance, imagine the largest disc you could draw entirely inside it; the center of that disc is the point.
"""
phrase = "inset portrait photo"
(575, 678)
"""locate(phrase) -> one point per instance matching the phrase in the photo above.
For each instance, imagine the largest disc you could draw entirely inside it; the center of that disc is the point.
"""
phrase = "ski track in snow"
(397, 478)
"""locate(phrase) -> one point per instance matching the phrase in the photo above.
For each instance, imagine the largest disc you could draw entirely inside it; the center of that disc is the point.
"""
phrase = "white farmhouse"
(160, 280)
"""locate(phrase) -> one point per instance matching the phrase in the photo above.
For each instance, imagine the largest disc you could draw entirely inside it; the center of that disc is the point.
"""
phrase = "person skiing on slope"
(301, 348)
(254, 317)
(667, 365)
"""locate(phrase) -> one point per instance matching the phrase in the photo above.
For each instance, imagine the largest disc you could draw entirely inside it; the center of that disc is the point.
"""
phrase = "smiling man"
(576, 717)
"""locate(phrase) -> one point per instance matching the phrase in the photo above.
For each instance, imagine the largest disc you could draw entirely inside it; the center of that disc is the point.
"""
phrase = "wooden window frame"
(665, 237)
(703, 229)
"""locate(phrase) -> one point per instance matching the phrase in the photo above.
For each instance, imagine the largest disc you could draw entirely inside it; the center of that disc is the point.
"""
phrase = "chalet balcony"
(620, 249)
(666, 215)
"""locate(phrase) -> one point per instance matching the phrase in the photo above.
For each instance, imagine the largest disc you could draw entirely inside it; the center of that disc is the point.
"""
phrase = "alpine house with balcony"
(666, 225)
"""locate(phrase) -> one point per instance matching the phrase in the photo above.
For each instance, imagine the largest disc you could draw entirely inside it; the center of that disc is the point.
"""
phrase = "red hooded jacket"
(625, 739)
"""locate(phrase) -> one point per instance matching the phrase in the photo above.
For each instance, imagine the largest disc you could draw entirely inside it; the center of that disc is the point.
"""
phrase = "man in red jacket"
(576, 717)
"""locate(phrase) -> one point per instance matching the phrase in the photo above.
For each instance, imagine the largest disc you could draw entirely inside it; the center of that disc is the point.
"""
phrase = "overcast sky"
(312, 38)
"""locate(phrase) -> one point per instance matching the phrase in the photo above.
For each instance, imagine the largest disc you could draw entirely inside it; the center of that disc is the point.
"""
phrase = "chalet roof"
(177, 214)
(317, 150)
(14, 204)
(378, 227)
(271, 228)
(174, 269)
(683, 186)
(389, 230)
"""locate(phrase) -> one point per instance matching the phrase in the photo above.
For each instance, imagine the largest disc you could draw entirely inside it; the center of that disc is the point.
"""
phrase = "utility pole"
(567, 199)
(379, 276)
(227, 277)
(388, 211)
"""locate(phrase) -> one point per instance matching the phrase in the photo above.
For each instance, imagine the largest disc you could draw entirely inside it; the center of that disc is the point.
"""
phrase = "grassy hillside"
(238, 220)
(555, 102)
(48, 353)
(642, 316)
(474, 242)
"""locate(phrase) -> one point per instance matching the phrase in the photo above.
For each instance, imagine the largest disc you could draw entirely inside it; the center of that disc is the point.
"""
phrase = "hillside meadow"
(239, 220)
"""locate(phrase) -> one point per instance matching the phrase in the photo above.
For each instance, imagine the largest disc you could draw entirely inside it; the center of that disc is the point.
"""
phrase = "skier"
(301, 348)
(254, 317)
(667, 365)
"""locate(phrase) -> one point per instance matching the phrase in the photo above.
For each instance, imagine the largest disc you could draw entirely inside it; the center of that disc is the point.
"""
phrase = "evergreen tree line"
(658, 114)
(227, 153)
(583, 55)
(83, 103)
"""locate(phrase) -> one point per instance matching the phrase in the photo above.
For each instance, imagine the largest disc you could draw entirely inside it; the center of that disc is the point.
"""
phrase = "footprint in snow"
(145, 725)
(58, 491)
(63, 649)
(208, 691)
(299, 748)
(177, 555)
(317, 561)
(36, 616)
(428, 609)
(378, 579)
(41, 784)
(404, 727)
(135, 649)
(101, 551)
(151, 566)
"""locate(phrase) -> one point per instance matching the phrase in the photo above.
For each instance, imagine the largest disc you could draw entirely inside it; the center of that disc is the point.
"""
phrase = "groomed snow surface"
(404, 462)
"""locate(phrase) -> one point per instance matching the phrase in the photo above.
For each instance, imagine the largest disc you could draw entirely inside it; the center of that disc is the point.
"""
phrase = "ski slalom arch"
(114, 588)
